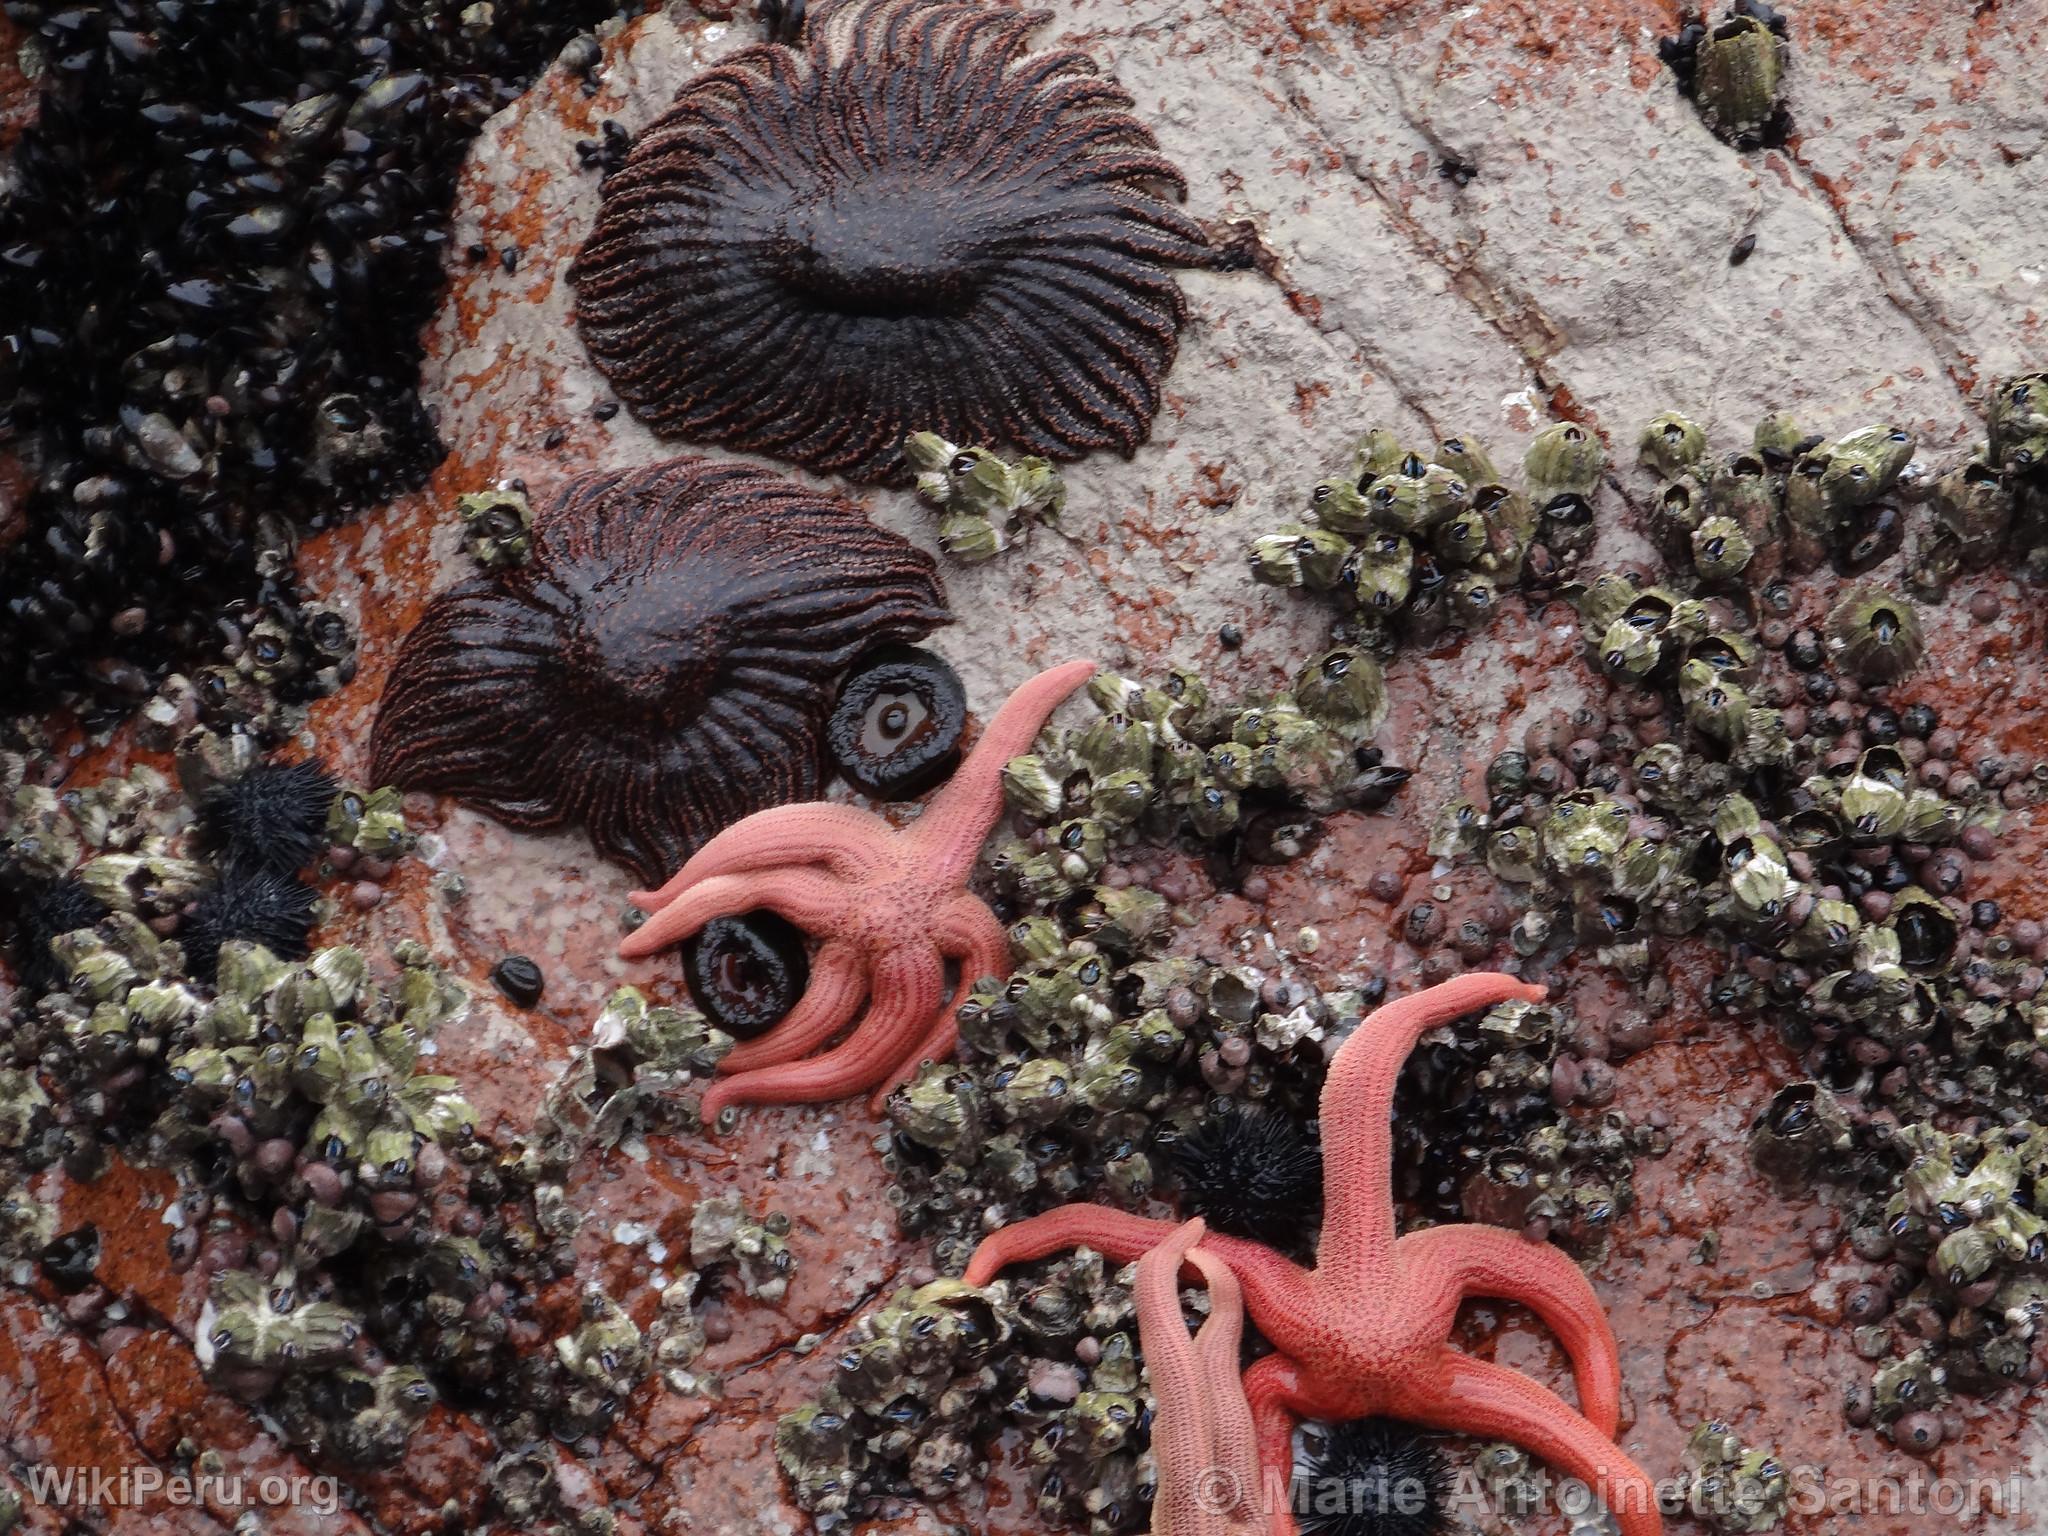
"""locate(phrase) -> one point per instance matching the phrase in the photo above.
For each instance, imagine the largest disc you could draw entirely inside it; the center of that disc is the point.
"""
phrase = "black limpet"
(1251, 1173)
(896, 729)
(273, 817)
(520, 979)
(747, 972)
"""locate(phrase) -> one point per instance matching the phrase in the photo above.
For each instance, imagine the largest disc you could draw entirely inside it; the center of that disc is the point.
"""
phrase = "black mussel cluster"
(224, 231)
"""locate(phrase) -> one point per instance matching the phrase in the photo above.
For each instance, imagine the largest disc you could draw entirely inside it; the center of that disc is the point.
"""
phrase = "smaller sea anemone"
(1371, 1477)
(1251, 1173)
(747, 972)
(272, 818)
(259, 905)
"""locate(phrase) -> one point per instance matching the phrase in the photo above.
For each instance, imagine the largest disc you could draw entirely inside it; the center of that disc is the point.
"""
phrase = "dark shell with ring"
(896, 729)
(909, 223)
(662, 666)
(747, 972)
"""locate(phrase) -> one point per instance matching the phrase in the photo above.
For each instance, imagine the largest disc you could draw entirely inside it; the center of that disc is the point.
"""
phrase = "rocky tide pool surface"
(1475, 221)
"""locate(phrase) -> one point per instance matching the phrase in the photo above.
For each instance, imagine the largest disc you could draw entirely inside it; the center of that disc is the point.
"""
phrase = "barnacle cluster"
(1170, 760)
(985, 503)
(225, 227)
(1788, 501)
(1734, 72)
(1991, 501)
(497, 527)
(1411, 546)
(1732, 1487)
(920, 1379)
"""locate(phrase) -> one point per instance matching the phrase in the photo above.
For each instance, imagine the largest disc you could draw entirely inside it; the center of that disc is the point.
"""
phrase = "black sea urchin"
(273, 817)
(661, 667)
(1371, 1477)
(911, 224)
(261, 906)
(1251, 1173)
(44, 910)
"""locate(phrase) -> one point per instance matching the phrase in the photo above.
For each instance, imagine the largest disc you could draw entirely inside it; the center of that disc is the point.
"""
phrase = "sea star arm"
(967, 933)
(1491, 1261)
(1357, 1117)
(907, 986)
(840, 837)
(1202, 1431)
(1274, 1288)
(1475, 1397)
(949, 834)
(812, 901)
(1278, 1398)
(838, 983)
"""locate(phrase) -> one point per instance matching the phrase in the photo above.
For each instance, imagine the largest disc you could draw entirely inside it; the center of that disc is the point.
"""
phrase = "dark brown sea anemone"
(910, 224)
(662, 666)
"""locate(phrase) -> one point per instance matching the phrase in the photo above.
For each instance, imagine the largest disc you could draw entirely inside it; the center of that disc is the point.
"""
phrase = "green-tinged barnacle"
(1122, 921)
(1714, 706)
(1807, 507)
(1681, 506)
(1100, 1423)
(1416, 496)
(1031, 786)
(1459, 832)
(436, 1108)
(1467, 458)
(1932, 819)
(1671, 444)
(1721, 551)
(155, 884)
(1080, 846)
(1733, 1488)
(94, 969)
(1377, 453)
(1737, 75)
(1964, 1257)
(606, 1349)
(1603, 600)
(1462, 538)
(1732, 655)
(459, 1266)
(1876, 635)
(1035, 938)
(1778, 439)
(1034, 1092)
(1213, 808)
(325, 1231)
(942, 1109)
(1564, 459)
(1583, 837)
(2017, 420)
(1340, 506)
(1629, 650)
(1109, 1081)
(1913, 1384)
(1873, 811)
(971, 538)
(1515, 855)
(1975, 506)
(1471, 598)
(1510, 528)
(1864, 464)
(1114, 743)
(497, 527)
(1928, 933)
(1380, 573)
(1829, 932)
(1759, 884)
(1121, 799)
(1300, 557)
(1343, 689)
(41, 838)
(372, 824)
